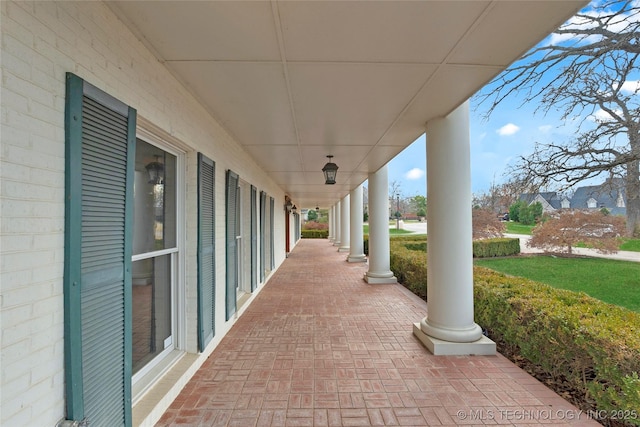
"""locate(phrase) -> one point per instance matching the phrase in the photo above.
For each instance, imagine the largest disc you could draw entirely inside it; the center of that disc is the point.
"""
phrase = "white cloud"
(631, 86)
(508, 129)
(545, 128)
(415, 173)
(621, 24)
(602, 116)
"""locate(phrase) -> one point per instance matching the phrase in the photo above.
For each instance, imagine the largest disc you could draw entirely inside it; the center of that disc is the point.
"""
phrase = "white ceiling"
(295, 81)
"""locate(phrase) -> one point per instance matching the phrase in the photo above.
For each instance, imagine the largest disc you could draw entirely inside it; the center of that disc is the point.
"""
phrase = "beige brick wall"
(41, 41)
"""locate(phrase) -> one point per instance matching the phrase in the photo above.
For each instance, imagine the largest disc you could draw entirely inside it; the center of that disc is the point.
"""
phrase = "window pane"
(151, 308)
(155, 199)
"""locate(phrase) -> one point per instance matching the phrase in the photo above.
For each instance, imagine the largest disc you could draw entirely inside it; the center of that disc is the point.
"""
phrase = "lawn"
(517, 228)
(392, 231)
(630, 245)
(615, 282)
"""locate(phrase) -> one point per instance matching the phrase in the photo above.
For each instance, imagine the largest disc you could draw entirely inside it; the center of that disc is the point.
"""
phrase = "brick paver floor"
(321, 347)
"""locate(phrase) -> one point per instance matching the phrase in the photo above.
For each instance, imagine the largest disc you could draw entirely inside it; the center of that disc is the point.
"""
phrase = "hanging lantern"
(330, 171)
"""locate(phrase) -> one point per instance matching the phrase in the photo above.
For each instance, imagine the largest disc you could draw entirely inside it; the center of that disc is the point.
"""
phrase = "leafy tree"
(486, 224)
(312, 215)
(418, 204)
(566, 228)
(588, 69)
(514, 210)
(530, 214)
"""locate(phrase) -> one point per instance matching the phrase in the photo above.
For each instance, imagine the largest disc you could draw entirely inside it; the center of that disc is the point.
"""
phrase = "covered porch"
(320, 346)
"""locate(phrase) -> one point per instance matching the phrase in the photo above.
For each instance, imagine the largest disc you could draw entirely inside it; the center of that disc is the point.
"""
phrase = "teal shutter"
(206, 251)
(232, 246)
(100, 149)
(254, 238)
(263, 235)
(272, 233)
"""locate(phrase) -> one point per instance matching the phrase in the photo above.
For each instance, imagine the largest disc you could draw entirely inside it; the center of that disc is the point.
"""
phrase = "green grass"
(615, 282)
(517, 228)
(630, 245)
(392, 231)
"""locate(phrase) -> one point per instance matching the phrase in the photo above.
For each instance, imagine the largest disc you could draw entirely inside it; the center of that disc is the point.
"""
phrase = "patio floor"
(321, 347)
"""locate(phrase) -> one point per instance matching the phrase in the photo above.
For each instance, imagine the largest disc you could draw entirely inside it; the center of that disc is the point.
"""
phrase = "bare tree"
(486, 224)
(499, 196)
(586, 70)
(568, 227)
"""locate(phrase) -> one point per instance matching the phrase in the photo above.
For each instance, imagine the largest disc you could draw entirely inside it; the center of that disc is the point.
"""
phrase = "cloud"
(415, 173)
(508, 130)
(624, 22)
(545, 128)
(630, 86)
(602, 116)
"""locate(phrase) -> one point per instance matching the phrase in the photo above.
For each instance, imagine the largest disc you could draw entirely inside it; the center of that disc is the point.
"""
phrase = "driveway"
(421, 228)
(620, 255)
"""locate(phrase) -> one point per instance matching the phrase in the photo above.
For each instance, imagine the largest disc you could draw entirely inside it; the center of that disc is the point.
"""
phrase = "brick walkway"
(321, 347)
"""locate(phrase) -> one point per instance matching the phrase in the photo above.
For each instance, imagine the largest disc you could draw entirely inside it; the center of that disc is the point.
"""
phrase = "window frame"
(178, 262)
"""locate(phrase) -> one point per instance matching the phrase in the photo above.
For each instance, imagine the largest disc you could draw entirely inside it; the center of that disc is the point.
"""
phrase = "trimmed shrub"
(409, 265)
(314, 234)
(593, 345)
(495, 247)
(485, 248)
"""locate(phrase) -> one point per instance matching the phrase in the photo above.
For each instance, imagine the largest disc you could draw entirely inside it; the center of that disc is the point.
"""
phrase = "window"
(155, 254)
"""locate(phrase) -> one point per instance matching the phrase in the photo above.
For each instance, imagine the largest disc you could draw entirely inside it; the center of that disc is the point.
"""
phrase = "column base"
(356, 258)
(378, 279)
(344, 249)
(482, 347)
(336, 243)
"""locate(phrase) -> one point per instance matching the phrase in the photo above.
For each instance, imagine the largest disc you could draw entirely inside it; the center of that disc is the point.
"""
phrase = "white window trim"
(146, 376)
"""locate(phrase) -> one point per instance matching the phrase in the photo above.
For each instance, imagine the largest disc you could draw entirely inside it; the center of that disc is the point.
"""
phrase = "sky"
(496, 143)
(511, 131)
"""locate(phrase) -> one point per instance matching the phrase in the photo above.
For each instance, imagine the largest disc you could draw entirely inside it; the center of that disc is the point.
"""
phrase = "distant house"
(610, 195)
(549, 200)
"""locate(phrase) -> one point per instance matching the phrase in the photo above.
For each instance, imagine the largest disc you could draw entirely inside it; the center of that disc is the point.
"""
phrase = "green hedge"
(593, 345)
(315, 234)
(495, 247)
(409, 265)
(481, 248)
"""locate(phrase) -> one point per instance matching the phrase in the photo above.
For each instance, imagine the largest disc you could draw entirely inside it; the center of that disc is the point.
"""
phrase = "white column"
(344, 224)
(379, 263)
(330, 222)
(356, 246)
(337, 236)
(449, 327)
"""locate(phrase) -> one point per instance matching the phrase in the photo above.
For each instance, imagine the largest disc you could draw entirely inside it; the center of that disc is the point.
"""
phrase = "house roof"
(295, 81)
(605, 195)
(550, 197)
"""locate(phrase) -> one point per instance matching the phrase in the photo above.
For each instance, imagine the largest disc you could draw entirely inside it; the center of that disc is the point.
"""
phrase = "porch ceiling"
(295, 81)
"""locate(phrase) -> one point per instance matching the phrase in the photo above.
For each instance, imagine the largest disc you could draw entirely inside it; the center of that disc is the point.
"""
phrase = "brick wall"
(42, 41)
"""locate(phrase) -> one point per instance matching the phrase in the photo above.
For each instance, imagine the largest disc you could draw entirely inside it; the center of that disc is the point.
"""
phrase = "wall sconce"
(330, 171)
(317, 208)
(294, 210)
(288, 205)
(155, 170)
